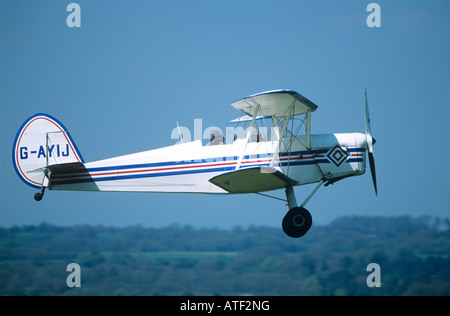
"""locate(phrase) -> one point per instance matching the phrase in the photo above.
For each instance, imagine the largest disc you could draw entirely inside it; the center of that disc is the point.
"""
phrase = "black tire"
(38, 196)
(297, 222)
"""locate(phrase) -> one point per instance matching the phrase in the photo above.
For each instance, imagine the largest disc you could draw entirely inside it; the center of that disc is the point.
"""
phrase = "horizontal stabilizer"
(252, 180)
(66, 169)
(64, 174)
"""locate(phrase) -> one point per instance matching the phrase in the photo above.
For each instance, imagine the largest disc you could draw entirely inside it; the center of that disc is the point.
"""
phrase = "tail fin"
(42, 141)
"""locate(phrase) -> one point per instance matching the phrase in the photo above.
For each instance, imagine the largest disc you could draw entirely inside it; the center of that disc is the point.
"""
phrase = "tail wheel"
(297, 222)
(38, 196)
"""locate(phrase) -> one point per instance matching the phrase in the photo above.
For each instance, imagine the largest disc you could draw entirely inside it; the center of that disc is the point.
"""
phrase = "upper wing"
(275, 103)
(252, 180)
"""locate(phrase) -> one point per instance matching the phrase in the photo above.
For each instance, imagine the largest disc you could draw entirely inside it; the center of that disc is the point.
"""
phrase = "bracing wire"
(272, 197)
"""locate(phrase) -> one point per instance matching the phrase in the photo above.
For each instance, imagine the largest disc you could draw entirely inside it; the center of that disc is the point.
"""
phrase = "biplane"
(284, 156)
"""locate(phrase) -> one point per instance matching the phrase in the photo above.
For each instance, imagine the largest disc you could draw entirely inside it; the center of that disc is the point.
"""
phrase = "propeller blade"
(372, 171)
(366, 114)
(370, 141)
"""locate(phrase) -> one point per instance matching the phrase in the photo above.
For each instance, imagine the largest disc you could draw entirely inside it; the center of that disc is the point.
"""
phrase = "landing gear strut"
(297, 220)
(45, 183)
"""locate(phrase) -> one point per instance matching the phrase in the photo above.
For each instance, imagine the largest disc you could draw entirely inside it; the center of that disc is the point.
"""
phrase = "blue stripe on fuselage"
(84, 178)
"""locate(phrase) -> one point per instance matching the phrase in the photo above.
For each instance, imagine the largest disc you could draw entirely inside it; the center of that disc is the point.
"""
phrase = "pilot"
(216, 138)
(257, 137)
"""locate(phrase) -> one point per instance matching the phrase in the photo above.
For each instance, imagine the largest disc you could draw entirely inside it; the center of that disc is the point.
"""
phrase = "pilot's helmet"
(216, 138)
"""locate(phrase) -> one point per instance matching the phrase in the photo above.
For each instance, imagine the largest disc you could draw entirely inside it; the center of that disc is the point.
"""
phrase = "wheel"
(297, 222)
(38, 196)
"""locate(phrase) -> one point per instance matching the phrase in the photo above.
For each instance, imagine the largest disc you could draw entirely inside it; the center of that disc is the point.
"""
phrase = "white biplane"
(46, 157)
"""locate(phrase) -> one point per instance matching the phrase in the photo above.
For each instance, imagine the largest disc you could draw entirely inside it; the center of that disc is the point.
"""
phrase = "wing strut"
(247, 137)
(312, 193)
(286, 120)
(308, 130)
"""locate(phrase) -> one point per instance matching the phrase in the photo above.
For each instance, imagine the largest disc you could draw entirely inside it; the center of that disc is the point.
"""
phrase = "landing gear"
(40, 195)
(45, 183)
(297, 220)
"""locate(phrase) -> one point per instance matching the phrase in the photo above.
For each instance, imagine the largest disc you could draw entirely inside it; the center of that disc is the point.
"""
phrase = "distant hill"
(412, 252)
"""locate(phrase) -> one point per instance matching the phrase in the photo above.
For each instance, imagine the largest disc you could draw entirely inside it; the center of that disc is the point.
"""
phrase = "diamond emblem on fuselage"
(337, 155)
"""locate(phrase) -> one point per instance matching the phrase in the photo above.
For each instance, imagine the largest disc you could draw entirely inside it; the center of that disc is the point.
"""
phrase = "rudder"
(42, 141)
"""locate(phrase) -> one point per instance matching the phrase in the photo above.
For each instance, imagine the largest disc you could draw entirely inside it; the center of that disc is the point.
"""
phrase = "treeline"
(412, 252)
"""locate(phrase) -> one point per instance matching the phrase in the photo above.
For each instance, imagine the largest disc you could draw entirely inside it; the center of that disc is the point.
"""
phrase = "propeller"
(370, 142)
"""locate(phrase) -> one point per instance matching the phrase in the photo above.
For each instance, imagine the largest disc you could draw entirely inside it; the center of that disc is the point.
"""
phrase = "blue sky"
(134, 68)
